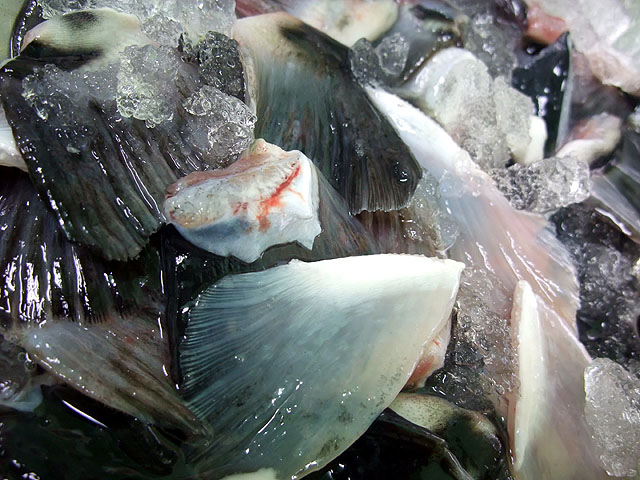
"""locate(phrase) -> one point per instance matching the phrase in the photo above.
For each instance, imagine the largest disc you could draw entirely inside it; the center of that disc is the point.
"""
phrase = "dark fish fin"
(96, 325)
(103, 175)
(46, 276)
(312, 104)
(121, 364)
(322, 346)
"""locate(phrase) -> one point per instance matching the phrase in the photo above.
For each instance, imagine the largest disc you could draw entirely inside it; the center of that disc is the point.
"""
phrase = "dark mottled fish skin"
(64, 305)
(127, 165)
(312, 104)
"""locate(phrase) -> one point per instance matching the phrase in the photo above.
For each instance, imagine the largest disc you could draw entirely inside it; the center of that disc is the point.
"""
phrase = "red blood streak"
(241, 206)
(273, 201)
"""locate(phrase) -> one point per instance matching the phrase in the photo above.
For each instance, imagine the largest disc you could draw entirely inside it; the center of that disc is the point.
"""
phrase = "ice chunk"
(221, 125)
(609, 293)
(493, 43)
(545, 185)
(513, 115)
(393, 52)
(57, 96)
(365, 63)
(485, 330)
(146, 84)
(218, 58)
(487, 118)
(381, 64)
(613, 412)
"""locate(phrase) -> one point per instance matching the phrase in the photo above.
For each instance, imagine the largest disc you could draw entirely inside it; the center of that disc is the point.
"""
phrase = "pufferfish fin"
(96, 325)
(307, 100)
(319, 347)
(103, 175)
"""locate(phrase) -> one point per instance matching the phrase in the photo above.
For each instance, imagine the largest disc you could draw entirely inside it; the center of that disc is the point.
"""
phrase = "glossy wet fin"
(515, 245)
(103, 175)
(96, 325)
(322, 347)
(313, 105)
(550, 437)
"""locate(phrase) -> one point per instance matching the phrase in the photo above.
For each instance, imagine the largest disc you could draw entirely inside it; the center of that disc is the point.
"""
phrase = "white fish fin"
(514, 245)
(550, 437)
(317, 347)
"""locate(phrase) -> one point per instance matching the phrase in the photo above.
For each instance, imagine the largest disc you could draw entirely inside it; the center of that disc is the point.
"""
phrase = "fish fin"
(47, 277)
(94, 324)
(103, 175)
(550, 436)
(514, 245)
(322, 347)
(120, 363)
(85, 36)
(314, 105)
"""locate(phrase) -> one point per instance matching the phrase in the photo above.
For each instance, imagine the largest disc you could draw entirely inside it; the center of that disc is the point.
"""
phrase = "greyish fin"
(307, 100)
(103, 175)
(320, 347)
(95, 325)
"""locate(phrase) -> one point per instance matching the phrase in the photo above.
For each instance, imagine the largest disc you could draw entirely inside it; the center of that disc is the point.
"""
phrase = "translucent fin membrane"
(516, 245)
(317, 347)
(313, 105)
